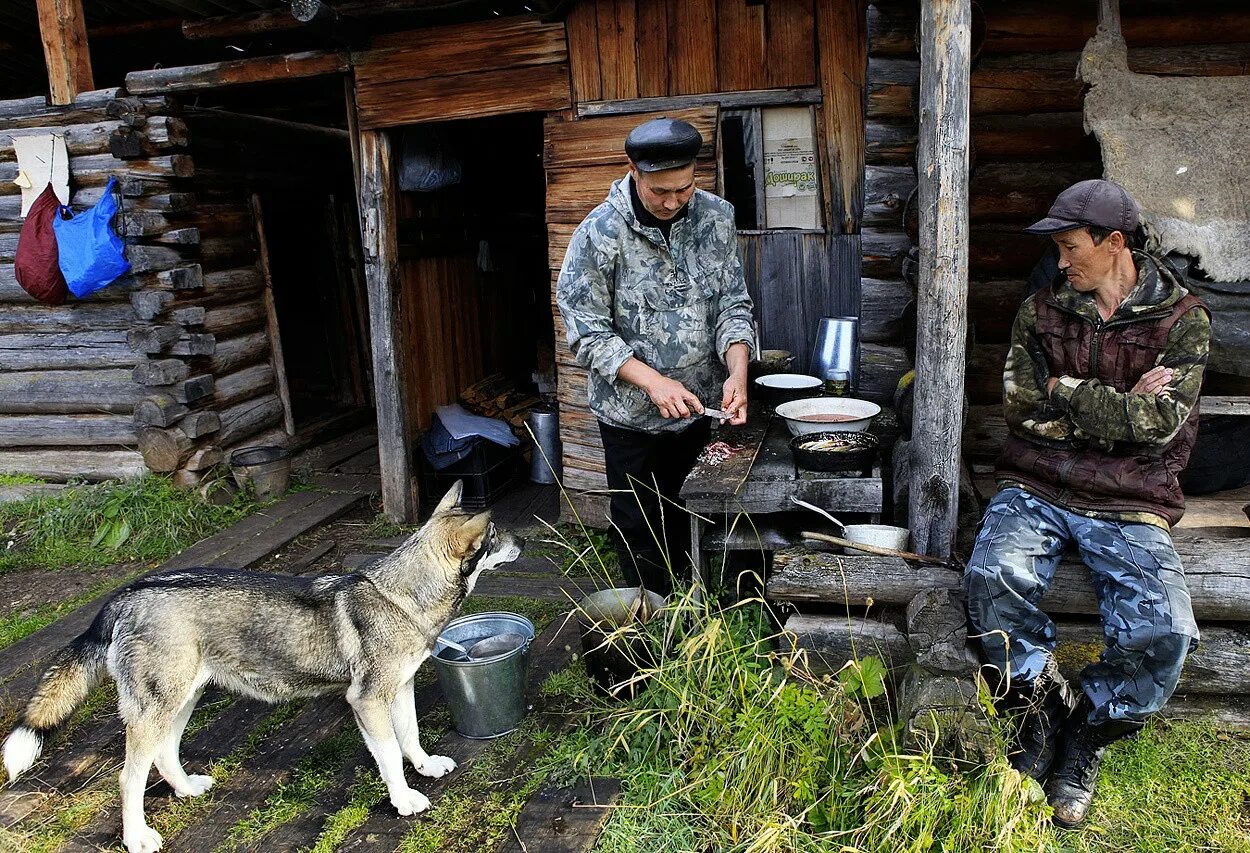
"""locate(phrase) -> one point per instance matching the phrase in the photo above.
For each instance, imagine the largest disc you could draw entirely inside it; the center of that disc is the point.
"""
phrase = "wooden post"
(271, 319)
(941, 321)
(64, 33)
(379, 240)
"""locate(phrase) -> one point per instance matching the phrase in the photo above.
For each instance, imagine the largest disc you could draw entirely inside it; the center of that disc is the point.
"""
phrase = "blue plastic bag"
(91, 254)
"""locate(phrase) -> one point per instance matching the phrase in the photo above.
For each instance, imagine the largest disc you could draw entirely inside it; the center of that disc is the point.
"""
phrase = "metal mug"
(836, 348)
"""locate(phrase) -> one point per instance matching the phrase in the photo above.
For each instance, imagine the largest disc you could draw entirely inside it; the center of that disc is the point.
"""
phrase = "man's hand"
(1154, 381)
(734, 398)
(1050, 385)
(672, 398)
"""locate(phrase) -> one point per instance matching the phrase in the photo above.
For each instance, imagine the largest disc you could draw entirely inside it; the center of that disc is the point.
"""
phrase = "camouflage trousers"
(1148, 623)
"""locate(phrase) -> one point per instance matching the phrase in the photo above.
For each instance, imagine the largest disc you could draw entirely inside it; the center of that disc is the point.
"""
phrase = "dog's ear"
(470, 535)
(451, 500)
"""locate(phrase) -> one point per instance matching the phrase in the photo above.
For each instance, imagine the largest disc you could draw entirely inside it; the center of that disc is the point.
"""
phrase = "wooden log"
(992, 307)
(188, 315)
(223, 252)
(189, 344)
(63, 29)
(158, 410)
(96, 169)
(532, 88)
(65, 430)
(230, 285)
(883, 252)
(164, 450)
(1219, 667)
(379, 242)
(985, 433)
(164, 371)
(883, 305)
(68, 391)
(65, 350)
(189, 390)
(892, 28)
(189, 236)
(198, 424)
(214, 75)
(890, 143)
(154, 258)
(887, 190)
(204, 458)
(880, 369)
(234, 353)
(80, 139)
(278, 373)
(892, 89)
(37, 111)
(71, 464)
(151, 340)
(242, 385)
(138, 111)
(1047, 137)
(235, 318)
(244, 420)
(1217, 571)
(150, 304)
(831, 642)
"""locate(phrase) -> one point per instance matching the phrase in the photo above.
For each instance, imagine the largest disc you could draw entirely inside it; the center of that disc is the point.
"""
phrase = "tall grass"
(734, 743)
(97, 525)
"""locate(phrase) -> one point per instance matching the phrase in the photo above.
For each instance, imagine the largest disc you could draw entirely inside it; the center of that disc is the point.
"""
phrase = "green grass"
(721, 753)
(99, 525)
(367, 790)
(19, 480)
(16, 626)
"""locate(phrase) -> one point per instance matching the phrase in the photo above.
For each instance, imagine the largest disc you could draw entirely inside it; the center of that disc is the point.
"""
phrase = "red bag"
(37, 264)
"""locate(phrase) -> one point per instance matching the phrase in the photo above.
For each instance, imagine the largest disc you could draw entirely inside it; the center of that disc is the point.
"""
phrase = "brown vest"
(1132, 478)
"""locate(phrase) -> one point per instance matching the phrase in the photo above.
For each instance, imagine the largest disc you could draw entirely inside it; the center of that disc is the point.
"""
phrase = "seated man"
(1100, 397)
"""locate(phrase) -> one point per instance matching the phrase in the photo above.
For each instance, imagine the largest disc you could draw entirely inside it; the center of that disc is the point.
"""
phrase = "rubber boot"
(1044, 706)
(1071, 787)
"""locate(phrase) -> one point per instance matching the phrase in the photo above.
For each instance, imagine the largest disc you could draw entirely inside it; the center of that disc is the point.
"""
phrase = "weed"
(98, 525)
(366, 792)
(383, 528)
(19, 480)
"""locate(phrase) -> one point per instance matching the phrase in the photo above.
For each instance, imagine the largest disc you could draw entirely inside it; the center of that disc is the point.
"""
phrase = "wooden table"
(760, 477)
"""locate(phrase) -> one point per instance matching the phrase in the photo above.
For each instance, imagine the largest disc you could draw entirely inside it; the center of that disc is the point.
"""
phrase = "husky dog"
(168, 636)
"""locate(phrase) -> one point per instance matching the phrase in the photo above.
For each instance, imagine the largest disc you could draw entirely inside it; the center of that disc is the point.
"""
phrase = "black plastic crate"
(488, 472)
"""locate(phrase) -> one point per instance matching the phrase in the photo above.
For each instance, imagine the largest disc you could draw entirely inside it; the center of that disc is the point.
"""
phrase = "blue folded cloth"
(455, 433)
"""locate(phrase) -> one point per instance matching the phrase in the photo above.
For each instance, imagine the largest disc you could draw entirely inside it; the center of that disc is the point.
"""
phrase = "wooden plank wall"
(509, 65)
(624, 49)
(582, 159)
(1028, 144)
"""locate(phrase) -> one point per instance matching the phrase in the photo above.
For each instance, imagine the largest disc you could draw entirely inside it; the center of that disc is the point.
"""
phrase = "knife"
(720, 414)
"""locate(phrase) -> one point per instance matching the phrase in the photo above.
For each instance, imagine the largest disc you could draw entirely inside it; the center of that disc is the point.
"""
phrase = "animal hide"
(1179, 145)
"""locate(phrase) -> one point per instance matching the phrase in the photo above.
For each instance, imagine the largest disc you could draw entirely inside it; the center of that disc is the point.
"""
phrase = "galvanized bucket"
(486, 697)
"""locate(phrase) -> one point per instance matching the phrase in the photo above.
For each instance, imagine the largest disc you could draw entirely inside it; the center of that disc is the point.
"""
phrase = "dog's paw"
(145, 839)
(196, 785)
(435, 766)
(410, 802)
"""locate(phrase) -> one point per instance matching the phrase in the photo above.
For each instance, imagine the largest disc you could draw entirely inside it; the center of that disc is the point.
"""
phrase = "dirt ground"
(24, 591)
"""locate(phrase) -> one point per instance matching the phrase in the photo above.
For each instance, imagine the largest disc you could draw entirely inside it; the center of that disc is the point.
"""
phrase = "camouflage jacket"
(1092, 446)
(675, 305)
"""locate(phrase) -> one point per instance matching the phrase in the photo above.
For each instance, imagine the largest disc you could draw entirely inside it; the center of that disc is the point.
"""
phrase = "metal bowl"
(852, 451)
(777, 388)
(844, 414)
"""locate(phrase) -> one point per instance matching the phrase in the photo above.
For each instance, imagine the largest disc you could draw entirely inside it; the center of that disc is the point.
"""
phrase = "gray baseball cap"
(1096, 203)
(663, 143)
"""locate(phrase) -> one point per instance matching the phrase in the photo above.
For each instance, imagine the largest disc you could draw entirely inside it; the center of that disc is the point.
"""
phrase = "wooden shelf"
(1217, 405)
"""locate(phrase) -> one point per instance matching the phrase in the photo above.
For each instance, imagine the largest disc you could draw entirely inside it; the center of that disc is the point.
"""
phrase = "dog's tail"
(73, 674)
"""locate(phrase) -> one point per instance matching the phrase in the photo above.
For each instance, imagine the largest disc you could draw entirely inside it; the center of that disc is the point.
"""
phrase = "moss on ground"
(18, 626)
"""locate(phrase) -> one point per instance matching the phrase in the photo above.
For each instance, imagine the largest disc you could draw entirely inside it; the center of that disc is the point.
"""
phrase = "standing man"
(657, 311)
(1100, 397)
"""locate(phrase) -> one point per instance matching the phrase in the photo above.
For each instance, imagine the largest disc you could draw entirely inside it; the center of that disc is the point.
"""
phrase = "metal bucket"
(836, 349)
(545, 466)
(614, 659)
(267, 468)
(486, 697)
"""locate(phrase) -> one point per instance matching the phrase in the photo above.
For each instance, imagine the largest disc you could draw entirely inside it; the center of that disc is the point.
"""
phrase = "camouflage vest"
(1132, 478)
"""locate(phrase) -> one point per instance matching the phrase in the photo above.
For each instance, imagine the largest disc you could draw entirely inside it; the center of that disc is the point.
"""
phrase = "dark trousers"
(651, 530)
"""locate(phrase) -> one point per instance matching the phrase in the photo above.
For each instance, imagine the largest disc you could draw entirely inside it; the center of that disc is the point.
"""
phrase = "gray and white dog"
(168, 636)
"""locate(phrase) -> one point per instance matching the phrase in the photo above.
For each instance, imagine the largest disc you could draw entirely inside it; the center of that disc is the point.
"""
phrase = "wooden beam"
(237, 72)
(64, 33)
(276, 358)
(942, 321)
(380, 242)
(726, 100)
(842, 35)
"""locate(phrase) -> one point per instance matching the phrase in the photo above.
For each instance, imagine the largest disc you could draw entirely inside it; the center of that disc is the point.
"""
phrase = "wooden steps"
(563, 820)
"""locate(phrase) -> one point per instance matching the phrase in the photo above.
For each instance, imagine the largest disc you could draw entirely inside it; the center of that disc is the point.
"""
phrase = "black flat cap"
(1101, 204)
(663, 143)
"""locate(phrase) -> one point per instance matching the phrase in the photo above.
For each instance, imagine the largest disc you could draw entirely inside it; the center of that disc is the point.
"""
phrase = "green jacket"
(1092, 445)
(674, 304)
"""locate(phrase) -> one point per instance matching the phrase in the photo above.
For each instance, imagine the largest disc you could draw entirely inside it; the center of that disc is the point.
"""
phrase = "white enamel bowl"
(861, 411)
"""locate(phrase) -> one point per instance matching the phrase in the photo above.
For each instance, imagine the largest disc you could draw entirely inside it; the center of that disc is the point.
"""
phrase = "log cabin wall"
(1028, 144)
(72, 377)
(629, 57)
